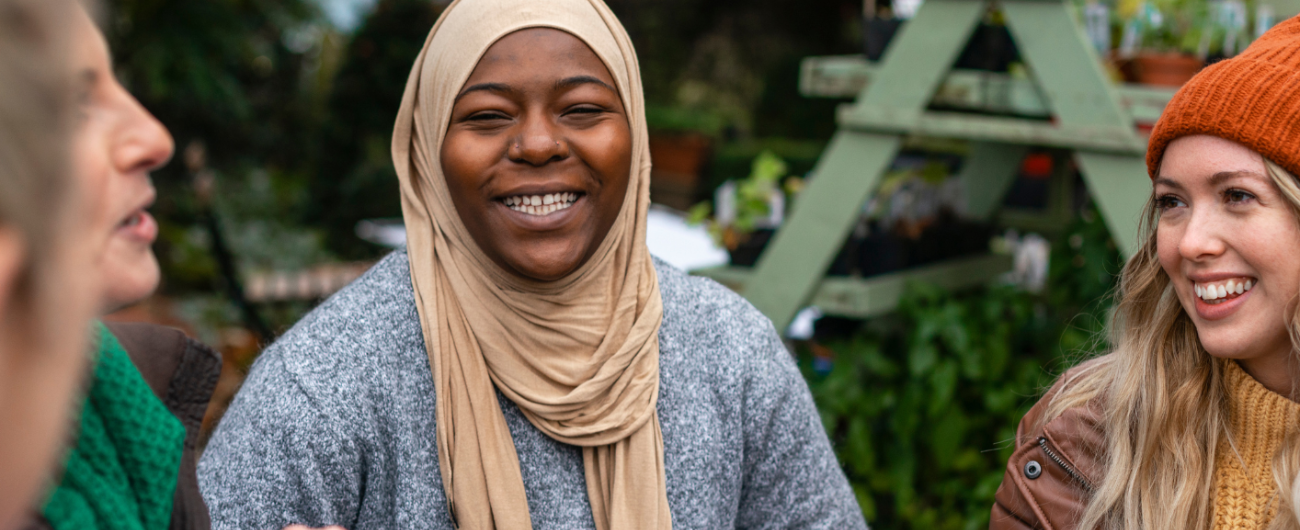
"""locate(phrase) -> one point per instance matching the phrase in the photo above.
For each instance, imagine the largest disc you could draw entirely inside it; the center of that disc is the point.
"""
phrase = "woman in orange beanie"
(1192, 420)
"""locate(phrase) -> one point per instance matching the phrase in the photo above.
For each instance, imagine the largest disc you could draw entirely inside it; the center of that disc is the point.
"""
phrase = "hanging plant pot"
(750, 247)
(1162, 69)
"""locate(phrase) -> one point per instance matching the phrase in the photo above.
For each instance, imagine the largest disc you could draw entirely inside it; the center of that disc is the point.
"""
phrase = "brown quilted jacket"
(1051, 475)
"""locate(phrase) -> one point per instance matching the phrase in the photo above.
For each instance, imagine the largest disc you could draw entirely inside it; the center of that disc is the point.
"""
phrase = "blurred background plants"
(922, 404)
(293, 111)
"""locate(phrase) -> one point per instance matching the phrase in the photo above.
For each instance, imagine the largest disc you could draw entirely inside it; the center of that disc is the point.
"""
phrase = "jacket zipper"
(1074, 474)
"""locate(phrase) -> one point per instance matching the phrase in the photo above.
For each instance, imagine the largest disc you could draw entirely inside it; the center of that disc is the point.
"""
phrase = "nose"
(537, 142)
(1203, 235)
(142, 143)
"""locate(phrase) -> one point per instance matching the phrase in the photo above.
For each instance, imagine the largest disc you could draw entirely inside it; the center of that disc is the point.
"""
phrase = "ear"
(13, 253)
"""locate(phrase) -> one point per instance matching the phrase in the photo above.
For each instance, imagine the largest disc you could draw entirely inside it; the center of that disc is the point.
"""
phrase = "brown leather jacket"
(182, 372)
(1051, 475)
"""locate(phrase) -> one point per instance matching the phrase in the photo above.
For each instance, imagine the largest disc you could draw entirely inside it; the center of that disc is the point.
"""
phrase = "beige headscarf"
(580, 355)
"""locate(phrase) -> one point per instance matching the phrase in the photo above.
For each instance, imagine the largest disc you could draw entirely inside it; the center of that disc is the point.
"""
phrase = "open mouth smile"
(541, 205)
(1215, 293)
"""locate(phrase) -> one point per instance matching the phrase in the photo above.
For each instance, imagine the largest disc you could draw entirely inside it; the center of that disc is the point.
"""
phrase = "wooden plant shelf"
(844, 76)
(867, 297)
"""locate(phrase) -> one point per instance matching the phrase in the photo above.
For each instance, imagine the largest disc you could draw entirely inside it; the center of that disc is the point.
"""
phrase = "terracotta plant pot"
(1163, 69)
(678, 162)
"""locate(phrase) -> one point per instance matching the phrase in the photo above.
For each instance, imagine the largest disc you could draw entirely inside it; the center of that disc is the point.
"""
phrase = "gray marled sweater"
(335, 424)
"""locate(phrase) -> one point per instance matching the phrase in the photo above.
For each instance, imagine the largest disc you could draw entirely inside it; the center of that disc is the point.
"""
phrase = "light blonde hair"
(36, 103)
(1164, 404)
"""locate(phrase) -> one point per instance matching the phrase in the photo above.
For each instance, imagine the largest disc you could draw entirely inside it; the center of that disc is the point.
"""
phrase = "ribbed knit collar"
(1259, 420)
(1257, 413)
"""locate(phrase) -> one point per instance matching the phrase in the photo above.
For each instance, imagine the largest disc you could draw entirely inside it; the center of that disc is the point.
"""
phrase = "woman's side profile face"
(538, 153)
(1230, 243)
(115, 146)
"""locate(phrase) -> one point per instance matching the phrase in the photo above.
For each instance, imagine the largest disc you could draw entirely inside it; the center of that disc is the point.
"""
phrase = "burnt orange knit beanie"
(1252, 99)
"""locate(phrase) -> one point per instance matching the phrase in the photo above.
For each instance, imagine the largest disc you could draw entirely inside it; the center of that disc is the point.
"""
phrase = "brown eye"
(1237, 196)
(1167, 202)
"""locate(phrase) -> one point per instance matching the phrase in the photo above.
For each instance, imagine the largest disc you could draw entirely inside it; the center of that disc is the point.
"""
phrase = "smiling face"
(1229, 241)
(538, 153)
(115, 146)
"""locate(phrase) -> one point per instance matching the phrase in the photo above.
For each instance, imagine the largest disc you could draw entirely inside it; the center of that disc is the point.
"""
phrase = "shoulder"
(1082, 375)
(374, 314)
(361, 340)
(695, 306)
(712, 337)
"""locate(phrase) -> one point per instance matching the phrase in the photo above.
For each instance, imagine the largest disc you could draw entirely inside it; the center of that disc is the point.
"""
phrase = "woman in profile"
(525, 362)
(1192, 422)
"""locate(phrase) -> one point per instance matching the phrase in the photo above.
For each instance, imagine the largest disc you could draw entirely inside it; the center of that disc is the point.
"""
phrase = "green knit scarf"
(122, 472)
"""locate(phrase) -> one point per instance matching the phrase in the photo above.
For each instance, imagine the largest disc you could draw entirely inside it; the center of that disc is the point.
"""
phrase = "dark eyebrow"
(570, 82)
(488, 87)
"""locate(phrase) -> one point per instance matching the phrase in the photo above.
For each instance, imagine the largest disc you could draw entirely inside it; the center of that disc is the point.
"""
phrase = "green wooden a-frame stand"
(1087, 119)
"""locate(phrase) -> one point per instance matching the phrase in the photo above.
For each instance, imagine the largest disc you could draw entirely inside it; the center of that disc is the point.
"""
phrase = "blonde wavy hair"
(1164, 404)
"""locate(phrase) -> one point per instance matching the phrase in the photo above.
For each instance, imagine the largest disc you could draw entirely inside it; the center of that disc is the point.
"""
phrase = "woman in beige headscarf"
(634, 396)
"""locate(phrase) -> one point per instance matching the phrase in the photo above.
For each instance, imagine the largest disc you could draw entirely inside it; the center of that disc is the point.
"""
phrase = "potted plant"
(747, 211)
(681, 149)
(1161, 41)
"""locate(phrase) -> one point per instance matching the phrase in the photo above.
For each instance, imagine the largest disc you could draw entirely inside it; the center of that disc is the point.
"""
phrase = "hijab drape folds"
(580, 355)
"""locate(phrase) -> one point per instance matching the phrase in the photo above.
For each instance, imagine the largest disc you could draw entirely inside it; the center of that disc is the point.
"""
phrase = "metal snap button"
(1033, 470)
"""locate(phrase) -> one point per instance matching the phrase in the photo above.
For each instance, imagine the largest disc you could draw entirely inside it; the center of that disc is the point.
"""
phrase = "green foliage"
(354, 178)
(753, 200)
(921, 405)
(240, 78)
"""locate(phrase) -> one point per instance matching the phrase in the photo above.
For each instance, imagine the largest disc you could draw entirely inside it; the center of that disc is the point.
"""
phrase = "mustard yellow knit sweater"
(1244, 489)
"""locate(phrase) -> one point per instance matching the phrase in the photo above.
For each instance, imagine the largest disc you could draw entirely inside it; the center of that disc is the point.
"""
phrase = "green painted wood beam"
(1092, 137)
(789, 269)
(877, 295)
(921, 54)
(844, 76)
(797, 256)
(1121, 188)
(1069, 74)
(986, 175)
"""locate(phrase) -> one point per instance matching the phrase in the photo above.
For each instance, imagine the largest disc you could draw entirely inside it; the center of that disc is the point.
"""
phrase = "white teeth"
(1222, 290)
(540, 204)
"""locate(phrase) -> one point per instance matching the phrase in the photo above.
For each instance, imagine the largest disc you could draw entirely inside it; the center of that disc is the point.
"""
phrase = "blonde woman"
(47, 290)
(1192, 421)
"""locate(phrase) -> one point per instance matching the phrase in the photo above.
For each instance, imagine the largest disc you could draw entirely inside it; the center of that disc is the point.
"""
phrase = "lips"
(139, 226)
(1219, 295)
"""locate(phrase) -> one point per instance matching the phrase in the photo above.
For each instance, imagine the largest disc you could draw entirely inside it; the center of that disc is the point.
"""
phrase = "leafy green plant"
(1170, 25)
(753, 201)
(922, 404)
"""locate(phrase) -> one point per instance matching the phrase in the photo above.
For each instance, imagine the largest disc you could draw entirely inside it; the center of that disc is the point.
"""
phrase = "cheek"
(1273, 251)
(93, 171)
(610, 154)
(1167, 240)
(465, 160)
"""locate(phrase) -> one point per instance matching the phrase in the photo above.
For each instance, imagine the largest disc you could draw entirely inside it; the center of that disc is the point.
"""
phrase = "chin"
(130, 283)
(547, 266)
